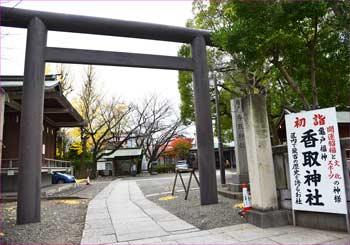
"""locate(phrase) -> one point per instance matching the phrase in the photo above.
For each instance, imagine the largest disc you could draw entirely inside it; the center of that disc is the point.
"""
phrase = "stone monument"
(241, 175)
(262, 181)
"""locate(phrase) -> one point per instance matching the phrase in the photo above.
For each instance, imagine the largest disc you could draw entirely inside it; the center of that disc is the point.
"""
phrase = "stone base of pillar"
(274, 218)
(238, 180)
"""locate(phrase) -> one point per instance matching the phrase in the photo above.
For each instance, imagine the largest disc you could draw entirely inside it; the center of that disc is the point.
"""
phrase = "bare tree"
(109, 123)
(66, 82)
(157, 128)
(65, 78)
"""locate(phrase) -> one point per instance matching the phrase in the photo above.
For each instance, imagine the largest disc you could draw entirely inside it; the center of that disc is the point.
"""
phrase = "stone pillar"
(241, 175)
(260, 161)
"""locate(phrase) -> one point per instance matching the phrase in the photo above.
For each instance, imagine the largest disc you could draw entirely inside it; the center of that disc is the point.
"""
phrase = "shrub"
(166, 168)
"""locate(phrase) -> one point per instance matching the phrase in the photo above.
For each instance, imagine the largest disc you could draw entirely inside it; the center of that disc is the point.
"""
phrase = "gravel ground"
(190, 210)
(62, 221)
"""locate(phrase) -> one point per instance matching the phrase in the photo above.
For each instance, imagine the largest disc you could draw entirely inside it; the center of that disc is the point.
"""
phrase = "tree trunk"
(273, 130)
(312, 51)
(149, 164)
(94, 158)
(315, 104)
(83, 169)
(293, 85)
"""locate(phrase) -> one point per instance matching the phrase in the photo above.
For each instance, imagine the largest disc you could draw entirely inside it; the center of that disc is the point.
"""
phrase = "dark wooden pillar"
(30, 148)
(204, 128)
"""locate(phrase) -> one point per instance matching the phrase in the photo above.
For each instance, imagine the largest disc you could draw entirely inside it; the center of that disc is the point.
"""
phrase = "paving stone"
(345, 241)
(122, 221)
(175, 225)
(146, 241)
(335, 234)
(97, 202)
(231, 228)
(91, 216)
(209, 239)
(260, 241)
(247, 234)
(304, 237)
(133, 228)
(185, 235)
(106, 239)
(167, 242)
(122, 215)
(99, 232)
(97, 211)
(141, 235)
(285, 229)
(98, 224)
(184, 231)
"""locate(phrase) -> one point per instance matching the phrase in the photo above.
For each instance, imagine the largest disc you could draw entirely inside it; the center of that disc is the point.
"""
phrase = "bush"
(166, 168)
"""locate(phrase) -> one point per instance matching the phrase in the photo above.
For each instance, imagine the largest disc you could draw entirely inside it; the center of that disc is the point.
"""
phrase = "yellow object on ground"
(167, 198)
(80, 180)
(69, 202)
(2, 234)
(239, 205)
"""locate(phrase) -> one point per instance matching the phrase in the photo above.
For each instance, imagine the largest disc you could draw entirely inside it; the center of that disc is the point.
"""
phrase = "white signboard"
(101, 165)
(315, 163)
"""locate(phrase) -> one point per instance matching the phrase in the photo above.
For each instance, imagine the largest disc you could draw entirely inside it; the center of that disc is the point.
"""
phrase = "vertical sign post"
(315, 162)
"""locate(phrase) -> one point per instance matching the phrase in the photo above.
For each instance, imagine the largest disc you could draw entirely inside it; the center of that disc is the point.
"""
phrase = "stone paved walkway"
(120, 214)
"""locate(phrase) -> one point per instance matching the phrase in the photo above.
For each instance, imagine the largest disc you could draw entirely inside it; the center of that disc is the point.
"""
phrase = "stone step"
(235, 187)
(234, 195)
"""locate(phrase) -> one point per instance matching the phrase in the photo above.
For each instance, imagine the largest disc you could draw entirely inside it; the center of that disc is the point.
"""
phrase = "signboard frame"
(315, 162)
(99, 165)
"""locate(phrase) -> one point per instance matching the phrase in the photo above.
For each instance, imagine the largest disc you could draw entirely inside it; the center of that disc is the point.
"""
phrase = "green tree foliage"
(186, 89)
(297, 53)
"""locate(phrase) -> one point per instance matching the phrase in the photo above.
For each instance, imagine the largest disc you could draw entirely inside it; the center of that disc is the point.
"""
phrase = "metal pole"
(204, 127)
(218, 122)
(294, 219)
(30, 148)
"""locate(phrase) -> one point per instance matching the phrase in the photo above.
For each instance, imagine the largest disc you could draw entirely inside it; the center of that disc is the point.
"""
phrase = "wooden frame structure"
(37, 53)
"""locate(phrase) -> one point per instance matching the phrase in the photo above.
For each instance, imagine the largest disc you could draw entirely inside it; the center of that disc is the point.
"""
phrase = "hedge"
(166, 168)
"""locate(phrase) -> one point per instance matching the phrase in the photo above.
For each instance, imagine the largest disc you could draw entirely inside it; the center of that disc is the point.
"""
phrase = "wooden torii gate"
(37, 53)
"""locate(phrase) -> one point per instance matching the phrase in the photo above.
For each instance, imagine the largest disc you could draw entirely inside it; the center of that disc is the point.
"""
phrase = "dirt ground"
(62, 220)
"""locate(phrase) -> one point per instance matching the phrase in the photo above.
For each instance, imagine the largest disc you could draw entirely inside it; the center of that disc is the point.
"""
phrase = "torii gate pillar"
(30, 148)
(204, 127)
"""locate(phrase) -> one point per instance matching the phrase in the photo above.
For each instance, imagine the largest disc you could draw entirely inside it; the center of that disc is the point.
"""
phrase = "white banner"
(315, 163)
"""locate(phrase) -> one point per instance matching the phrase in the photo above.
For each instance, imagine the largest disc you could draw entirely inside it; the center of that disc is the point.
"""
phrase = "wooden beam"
(70, 124)
(94, 57)
(16, 17)
(56, 110)
(13, 104)
(50, 121)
